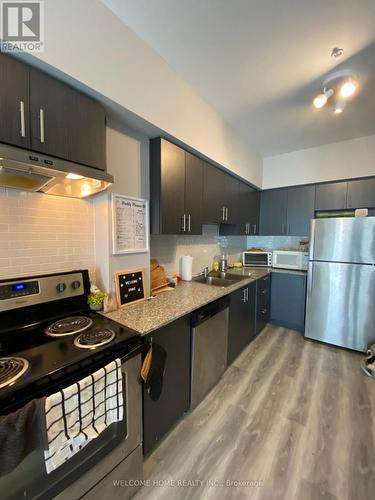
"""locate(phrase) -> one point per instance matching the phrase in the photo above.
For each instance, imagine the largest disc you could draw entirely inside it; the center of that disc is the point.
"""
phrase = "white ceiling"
(259, 63)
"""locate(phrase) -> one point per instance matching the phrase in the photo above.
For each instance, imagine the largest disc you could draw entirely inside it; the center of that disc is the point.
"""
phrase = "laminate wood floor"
(295, 415)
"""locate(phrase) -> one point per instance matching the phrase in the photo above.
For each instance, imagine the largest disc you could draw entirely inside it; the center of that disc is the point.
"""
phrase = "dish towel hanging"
(79, 413)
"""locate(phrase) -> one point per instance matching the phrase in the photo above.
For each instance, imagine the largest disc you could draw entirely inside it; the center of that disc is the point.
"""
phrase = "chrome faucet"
(204, 272)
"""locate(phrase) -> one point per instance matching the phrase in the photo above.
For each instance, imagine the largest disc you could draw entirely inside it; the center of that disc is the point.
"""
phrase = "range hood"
(31, 171)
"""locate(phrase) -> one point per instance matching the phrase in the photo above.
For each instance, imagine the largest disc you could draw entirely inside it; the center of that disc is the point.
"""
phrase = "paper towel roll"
(186, 267)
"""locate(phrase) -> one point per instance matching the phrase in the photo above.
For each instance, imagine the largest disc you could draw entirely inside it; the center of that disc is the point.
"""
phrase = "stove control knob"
(76, 285)
(61, 287)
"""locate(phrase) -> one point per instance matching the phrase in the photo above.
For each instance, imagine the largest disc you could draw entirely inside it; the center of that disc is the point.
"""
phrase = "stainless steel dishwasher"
(209, 348)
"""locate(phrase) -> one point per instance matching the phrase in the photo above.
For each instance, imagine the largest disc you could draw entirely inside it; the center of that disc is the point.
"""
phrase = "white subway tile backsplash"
(275, 242)
(169, 249)
(41, 233)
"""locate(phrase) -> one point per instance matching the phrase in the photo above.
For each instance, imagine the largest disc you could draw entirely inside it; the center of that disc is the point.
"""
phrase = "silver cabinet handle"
(223, 215)
(184, 223)
(283, 228)
(244, 295)
(22, 116)
(255, 229)
(41, 120)
(247, 229)
(247, 294)
(189, 223)
(226, 213)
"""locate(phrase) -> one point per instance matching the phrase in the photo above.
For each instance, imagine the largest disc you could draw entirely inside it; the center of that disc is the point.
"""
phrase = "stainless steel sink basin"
(212, 280)
(219, 279)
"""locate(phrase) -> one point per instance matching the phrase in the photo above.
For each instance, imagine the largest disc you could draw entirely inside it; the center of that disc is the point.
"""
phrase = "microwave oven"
(290, 259)
(251, 258)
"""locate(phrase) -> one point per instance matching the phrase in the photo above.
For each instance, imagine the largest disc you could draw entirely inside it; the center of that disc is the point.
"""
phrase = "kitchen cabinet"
(300, 210)
(331, 196)
(287, 211)
(176, 189)
(361, 193)
(248, 210)
(193, 193)
(263, 298)
(273, 212)
(288, 300)
(65, 123)
(241, 320)
(14, 102)
(160, 416)
(220, 196)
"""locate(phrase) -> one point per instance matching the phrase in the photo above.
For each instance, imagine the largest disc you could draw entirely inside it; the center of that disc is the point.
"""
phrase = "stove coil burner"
(94, 338)
(11, 369)
(68, 326)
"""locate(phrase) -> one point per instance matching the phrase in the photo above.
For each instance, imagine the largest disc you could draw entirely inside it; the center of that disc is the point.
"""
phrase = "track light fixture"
(337, 88)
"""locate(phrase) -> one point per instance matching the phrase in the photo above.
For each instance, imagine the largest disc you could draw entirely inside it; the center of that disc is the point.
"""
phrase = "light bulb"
(75, 177)
(347, 89)
(320, 101)
(339, 107)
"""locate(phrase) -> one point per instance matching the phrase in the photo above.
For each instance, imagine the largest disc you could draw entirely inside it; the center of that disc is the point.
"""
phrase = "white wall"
(127, 161)
(341, 160)
(84, 39)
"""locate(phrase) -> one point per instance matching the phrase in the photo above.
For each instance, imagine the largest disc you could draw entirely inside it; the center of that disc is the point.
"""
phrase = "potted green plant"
(95, 301)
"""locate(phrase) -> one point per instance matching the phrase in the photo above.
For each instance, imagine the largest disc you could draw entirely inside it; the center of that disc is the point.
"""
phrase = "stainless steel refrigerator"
(340, 307)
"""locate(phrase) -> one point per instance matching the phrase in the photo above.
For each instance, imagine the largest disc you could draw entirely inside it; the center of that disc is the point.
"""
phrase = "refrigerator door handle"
(310, 274)
(312, 239)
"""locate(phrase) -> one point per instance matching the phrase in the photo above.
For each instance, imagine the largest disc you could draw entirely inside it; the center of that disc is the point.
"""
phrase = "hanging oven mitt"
(153, 370)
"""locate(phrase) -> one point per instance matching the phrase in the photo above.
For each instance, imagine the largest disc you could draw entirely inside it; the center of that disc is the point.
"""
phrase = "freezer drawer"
(345, 239)
(340, 304)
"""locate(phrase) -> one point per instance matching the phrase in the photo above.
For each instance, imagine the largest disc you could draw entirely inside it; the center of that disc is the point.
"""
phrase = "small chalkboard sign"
(129, 286)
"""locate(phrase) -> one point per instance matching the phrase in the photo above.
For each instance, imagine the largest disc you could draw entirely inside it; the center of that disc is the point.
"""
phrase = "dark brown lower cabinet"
(241, 320)
(161, 415)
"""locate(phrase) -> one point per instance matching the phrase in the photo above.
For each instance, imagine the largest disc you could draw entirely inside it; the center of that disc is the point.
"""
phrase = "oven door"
(82, 471)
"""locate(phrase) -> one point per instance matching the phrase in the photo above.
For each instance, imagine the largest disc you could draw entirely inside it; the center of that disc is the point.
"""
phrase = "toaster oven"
(251, 258)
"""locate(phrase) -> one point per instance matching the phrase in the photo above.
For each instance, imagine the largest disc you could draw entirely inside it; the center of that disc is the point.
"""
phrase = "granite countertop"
(153, 313)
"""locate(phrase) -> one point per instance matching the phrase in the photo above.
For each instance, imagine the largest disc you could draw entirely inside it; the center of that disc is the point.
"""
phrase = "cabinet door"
(172, 188)
(66, 123)
(301, 201)
(159, 416)
(193, 193)
(241, 320)
(273, 208)
(14, 102)
(253, 207)
(231, 199)
(288, 300)
(361, 193)
(239, 330)
(331, 196)
(214, 195)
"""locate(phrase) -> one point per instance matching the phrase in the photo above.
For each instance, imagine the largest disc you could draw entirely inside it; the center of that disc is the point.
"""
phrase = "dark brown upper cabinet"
(220, 196)
(361, 193)
(249, 199)
(331, 196)
(14, 102)
(65, 123)
(300, 210)
(194, 174)
(176, 189)
(287, 211)
(273, 210)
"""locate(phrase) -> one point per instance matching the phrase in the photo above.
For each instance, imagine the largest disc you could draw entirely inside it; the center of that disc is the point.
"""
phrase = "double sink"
(224, 279)
(221, 279)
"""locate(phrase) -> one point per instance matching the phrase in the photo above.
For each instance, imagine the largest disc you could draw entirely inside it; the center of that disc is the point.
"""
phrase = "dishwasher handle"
(206, 312)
